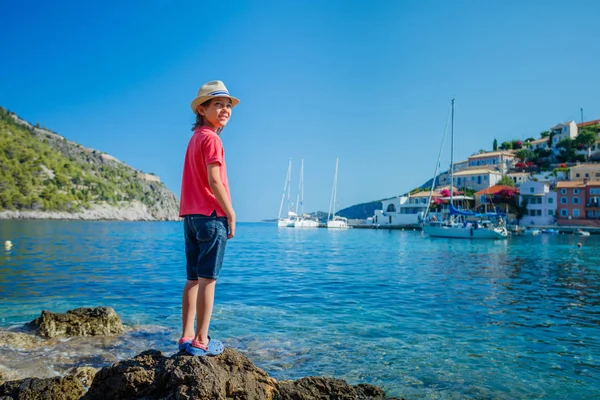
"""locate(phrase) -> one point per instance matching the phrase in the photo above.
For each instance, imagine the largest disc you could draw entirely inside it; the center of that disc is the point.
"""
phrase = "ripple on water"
(420, 317)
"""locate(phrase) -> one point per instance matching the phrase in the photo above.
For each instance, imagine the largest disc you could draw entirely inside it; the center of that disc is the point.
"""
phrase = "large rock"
(151, 375)
(79, 322)
(67, 388)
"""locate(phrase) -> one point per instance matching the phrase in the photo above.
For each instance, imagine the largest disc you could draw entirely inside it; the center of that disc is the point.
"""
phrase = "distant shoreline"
(128, 212)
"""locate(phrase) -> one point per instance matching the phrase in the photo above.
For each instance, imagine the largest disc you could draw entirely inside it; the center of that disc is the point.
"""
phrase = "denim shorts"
(205, 241)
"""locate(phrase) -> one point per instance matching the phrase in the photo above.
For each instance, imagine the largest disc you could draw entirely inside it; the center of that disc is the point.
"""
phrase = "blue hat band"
(219, 92)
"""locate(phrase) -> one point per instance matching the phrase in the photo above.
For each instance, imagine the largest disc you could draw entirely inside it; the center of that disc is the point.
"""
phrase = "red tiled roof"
(495, 190)
(588, 123)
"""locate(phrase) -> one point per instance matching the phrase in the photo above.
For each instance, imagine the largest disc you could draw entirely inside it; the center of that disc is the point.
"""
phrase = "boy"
(209, 218)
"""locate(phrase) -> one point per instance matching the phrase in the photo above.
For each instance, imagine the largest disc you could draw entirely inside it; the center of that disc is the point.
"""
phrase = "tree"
(545, 134)
(516, 144)
(506, 146)
(586, 139)
(495, 146)
(507, 181)
(525, 155)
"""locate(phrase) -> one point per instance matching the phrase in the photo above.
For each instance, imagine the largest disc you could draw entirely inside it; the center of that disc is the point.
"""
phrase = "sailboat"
(303, 220)
(335, 221)
(288, 221)
(463, 224)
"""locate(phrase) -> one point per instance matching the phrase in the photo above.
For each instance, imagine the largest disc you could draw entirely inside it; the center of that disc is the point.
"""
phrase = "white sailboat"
(303, 220)
(287, 221)
(335, 221)
(460, 223)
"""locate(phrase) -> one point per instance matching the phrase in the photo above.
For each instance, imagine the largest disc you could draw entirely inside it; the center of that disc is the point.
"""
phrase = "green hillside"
(41, 170)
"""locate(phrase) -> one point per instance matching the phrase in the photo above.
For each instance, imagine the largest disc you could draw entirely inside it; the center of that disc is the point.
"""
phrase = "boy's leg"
(188, 308)
(204, 307)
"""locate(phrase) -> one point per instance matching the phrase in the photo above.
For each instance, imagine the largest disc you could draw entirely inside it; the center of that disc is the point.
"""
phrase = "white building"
(539, 144)
(541, 203)
(500, 161)
(402, 211)
(561, 132)
(519, 177)
(476, 179)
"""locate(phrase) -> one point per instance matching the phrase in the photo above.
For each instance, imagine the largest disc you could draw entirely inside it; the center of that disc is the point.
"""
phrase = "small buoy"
(7, 245)
(578, 244)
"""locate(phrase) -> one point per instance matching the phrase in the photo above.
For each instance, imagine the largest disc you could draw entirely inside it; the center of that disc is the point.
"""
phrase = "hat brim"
(201, 99)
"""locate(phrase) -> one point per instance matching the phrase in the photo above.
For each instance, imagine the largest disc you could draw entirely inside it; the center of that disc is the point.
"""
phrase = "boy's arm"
(218, 189)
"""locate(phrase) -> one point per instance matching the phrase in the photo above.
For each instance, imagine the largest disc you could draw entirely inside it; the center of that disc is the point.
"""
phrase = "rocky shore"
(153, 375)
(130, 211)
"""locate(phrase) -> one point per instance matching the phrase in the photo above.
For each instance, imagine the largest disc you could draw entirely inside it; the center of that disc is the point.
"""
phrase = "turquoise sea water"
(420, 317)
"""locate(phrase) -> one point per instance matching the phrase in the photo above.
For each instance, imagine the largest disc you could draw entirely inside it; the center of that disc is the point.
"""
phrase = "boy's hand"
(231, 223)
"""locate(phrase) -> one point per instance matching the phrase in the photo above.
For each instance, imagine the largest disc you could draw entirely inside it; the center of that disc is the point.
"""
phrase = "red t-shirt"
(205, 148)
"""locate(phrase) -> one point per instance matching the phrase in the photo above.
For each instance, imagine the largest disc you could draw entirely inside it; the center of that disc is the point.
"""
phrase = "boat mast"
(452, 156)
(299, 186)
(302, 187)
(286, 185)
(333, 192)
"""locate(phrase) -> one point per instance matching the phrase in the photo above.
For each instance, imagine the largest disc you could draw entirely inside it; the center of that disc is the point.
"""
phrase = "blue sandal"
(183, 342)
(214, 348)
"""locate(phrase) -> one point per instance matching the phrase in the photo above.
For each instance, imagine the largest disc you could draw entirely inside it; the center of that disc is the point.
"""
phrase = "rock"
(79, 322)
(84, 374)
(66, 388)
(18, 340)
(151, 375)
(318, 388)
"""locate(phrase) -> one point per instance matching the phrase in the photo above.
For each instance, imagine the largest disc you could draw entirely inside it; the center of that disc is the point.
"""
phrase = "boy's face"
(217, 112)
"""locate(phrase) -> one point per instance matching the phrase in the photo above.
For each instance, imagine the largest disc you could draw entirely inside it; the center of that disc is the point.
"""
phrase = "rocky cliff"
(46, 176)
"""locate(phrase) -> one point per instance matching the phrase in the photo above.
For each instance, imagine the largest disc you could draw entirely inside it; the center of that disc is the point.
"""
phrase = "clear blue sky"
(369, 82)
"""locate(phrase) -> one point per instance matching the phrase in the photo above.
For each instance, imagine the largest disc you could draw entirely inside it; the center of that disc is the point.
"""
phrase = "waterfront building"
(403, 211)
(540, 202)
(578, 203)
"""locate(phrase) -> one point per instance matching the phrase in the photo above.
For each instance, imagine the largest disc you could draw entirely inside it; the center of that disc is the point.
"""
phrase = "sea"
(420, 317)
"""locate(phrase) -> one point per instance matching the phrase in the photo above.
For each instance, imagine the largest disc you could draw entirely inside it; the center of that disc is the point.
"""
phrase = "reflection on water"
(421, 317)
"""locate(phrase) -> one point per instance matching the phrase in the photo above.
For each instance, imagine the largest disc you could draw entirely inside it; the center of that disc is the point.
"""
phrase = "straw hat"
(211, 90)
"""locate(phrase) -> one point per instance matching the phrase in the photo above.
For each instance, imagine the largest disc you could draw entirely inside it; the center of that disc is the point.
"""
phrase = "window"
(550, 212)
(564, 200)
(532, 213)
(576, 213)
(483, 198)
(531, 190)
(587, 175)
(391, 208)
(577, 175)
(576, 200)
(550, 200)
(538, 213)
(575, 191)
(597, 213)
(563, 191)
(597, 173)
(564, 212)
(590, 213)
